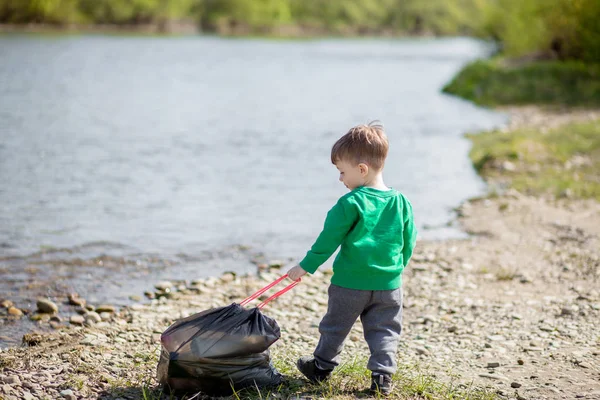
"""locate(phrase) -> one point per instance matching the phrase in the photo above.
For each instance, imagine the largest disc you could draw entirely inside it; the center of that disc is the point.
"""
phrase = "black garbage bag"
(218, 350)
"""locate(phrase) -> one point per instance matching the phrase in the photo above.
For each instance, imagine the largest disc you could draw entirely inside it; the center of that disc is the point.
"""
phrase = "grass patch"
(350, 380)
(564, 161)
(493, 82)
(506, 274)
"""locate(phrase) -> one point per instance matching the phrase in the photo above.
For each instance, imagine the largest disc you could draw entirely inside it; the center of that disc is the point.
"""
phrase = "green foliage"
(567, 29)
(256, 14)
(564, 29)
(335, 16)
(95, 11)
(564, 160)
(490, 82)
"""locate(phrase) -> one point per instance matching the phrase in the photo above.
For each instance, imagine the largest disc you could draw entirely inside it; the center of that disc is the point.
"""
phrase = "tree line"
(565, 29)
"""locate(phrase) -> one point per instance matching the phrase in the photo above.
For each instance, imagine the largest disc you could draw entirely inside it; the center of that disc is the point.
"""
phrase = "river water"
(128, 160)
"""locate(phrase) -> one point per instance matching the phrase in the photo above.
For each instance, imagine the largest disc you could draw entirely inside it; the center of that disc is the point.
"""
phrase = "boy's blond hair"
(362, 144)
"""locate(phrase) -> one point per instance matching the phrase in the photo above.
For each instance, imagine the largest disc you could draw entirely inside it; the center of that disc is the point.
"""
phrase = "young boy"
(374, 226)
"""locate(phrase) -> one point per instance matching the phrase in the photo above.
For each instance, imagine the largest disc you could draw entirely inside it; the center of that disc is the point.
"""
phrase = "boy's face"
(352, 176)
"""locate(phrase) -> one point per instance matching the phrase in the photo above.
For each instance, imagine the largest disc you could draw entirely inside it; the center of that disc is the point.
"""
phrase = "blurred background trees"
(563, 29)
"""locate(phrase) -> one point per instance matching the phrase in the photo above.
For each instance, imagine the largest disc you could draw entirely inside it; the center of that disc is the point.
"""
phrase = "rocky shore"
(512, 310)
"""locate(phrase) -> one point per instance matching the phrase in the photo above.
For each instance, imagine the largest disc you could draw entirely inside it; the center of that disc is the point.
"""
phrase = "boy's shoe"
(309, 369)
(381, 384)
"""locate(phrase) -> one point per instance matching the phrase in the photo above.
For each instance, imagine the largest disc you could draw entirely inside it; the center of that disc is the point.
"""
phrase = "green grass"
(494, 82)
(564, 161)
(349, 381)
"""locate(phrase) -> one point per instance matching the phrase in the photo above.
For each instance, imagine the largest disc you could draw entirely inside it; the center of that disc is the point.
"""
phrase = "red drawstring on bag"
(269, 286)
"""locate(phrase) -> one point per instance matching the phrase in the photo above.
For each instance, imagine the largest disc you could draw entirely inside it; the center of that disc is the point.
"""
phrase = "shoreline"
(191, 28)
(510, 311)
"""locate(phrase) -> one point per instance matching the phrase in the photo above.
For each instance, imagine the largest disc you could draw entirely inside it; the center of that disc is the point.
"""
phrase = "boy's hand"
(296, 273)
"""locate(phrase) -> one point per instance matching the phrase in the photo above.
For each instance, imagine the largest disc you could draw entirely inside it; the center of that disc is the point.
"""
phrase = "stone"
(77, 301)
(46, 306)
(92, 317)
(105, 308)
(12, 380)
(228, 277)
(15, 312)
(6, 303)
(520, 361)
(566, 311)
(164, 285)
(81, 310)
(106, 316)
(77, 320)
(28, 396)
(66, 392)
(55, 325)
(515, 385)
(494, 364)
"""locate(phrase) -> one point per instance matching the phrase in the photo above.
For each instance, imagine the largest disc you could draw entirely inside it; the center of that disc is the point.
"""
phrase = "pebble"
(493, 364)
(76, 301)
(12, 380)
(106, 316)
(77, 319)
(164, 285)
(15, 312)
(515, 385)
(92, 317)
(105, 308)
(566, 311)
(46, 306)
(6, 303)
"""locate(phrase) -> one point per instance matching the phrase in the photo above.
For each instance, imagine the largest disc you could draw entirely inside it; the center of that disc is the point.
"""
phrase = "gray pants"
(380, 312)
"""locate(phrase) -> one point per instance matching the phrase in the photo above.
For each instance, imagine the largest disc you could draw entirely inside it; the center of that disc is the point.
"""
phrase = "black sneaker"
(309, 368)
(381, 384)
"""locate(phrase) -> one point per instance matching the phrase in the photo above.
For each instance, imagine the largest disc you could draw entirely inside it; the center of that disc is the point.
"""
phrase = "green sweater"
(377, 235)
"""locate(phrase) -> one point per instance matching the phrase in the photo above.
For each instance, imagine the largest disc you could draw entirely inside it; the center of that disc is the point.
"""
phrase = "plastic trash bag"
(217, 350)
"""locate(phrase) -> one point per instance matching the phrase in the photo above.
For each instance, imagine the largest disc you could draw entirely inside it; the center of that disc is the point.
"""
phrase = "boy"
(375, 228)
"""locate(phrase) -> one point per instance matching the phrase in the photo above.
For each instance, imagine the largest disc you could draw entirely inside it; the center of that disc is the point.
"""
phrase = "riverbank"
(502, 81)
(511, 312)
(542, 152)
(176, 28)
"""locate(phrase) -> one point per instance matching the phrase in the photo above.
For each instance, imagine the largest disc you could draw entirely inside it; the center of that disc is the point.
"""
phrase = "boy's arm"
(409, 235)
(340, 219)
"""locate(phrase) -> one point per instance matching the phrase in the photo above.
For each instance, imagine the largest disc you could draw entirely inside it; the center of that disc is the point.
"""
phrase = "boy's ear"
(363, 169)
